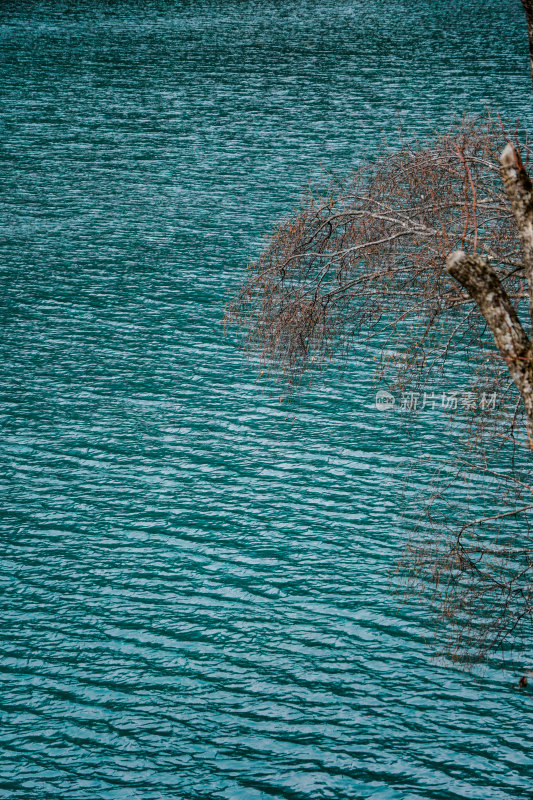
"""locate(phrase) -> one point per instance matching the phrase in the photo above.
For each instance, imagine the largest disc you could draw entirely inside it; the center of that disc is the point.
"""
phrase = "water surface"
(195, 578)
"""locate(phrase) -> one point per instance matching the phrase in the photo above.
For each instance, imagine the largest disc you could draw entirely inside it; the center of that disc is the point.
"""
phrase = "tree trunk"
(484, 287)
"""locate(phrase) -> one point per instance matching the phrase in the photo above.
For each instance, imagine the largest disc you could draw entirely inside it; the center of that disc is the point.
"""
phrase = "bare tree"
(428, 251)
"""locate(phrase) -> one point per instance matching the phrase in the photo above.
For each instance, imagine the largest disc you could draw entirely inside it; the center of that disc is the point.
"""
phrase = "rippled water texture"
(195, 580)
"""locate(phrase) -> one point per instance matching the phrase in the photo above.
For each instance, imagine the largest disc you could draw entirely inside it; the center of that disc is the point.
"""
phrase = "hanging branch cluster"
(430, 247)
(367, 256)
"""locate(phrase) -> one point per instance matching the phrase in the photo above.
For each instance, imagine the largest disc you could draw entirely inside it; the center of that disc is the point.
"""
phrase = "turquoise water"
(196, 599)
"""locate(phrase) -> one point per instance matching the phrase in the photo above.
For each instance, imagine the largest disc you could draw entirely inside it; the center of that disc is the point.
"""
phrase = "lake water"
(195, 576)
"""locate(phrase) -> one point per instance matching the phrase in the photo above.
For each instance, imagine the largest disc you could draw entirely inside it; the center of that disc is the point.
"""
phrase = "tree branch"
(483, 285)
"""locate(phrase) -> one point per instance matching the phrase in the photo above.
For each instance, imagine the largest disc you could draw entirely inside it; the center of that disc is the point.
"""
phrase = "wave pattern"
(196, 594)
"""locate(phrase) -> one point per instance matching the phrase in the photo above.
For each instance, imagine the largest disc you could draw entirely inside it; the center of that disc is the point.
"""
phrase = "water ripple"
(195, 576)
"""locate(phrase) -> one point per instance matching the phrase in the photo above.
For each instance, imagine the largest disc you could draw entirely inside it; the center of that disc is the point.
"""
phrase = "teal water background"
(195, 578)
